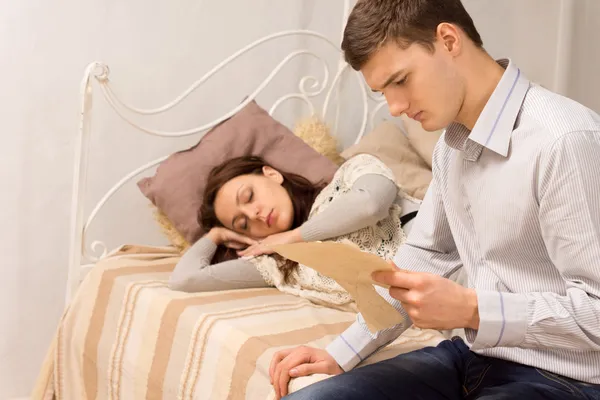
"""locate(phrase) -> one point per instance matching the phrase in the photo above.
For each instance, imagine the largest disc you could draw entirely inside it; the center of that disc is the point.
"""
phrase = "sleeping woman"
(249, 205)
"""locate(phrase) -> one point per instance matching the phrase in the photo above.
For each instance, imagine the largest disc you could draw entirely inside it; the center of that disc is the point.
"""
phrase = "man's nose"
(397, 104)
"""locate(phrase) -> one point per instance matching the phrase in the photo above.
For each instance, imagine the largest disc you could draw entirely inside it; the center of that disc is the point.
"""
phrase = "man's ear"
(450, 37)
(273, 174)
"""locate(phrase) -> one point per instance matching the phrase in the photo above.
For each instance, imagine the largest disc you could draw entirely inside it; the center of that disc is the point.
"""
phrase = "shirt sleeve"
(569, 217)
(194, 273)
(429, 248)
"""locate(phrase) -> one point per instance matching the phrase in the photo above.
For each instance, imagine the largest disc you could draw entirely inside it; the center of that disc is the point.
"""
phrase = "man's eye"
(401, 82)
(250, 196)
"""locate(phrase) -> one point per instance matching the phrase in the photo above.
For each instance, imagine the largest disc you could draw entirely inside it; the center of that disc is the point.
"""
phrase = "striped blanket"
(125, 335)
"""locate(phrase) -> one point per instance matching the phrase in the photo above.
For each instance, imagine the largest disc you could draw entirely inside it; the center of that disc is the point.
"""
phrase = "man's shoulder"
(554, 115)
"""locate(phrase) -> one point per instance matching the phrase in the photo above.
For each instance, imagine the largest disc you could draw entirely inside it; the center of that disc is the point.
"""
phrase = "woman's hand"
(263, 246)
(231, 239)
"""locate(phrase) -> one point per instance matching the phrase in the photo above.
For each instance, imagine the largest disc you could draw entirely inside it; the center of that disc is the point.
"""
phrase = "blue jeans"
(448, 371)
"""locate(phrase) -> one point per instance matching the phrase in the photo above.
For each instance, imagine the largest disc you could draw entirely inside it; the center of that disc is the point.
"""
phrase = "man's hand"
(432, 302)
(299, 361)
(262, 246)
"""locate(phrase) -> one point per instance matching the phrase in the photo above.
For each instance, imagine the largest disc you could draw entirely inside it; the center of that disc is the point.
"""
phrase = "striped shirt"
(516, 202)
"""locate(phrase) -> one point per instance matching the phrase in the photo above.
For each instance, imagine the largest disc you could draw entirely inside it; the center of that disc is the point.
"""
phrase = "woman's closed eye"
(248, 196)
(241, 222)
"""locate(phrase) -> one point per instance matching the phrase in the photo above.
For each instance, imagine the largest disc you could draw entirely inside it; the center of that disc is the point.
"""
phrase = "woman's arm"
(193, 273)
(367, 203)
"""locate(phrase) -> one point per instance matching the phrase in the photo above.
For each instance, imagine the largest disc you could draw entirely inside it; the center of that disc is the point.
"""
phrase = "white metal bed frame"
(309, 87)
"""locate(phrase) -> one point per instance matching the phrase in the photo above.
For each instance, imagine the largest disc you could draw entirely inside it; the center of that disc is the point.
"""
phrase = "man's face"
(424, 85)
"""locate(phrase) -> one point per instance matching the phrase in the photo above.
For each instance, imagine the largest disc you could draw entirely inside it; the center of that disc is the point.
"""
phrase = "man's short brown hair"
(374, 22)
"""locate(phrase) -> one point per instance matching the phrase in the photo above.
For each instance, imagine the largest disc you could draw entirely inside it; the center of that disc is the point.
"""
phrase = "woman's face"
(255, 205)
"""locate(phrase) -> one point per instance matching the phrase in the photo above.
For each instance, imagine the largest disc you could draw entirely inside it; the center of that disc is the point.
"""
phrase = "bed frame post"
(80, 167)
(341, 66)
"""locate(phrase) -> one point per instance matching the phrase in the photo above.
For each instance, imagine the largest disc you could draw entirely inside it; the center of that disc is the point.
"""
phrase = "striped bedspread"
(127, 336)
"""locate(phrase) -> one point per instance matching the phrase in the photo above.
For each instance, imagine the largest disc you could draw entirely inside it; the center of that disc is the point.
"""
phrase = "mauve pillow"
(177, 188)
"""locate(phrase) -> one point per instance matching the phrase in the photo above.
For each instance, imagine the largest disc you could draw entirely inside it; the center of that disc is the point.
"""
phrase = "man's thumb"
(393, 264)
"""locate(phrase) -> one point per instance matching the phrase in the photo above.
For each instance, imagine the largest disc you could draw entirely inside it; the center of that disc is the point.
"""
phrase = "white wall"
(527, 31)
(155, 50)
(524, 31)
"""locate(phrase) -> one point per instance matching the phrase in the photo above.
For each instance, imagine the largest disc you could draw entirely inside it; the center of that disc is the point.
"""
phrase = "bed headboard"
(96, 85)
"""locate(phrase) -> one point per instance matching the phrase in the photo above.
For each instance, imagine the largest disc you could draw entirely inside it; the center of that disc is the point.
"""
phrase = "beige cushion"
(420, 139)
(388, 143)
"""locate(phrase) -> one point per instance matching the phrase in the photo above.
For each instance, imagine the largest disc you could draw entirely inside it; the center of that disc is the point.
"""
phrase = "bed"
(125, 335)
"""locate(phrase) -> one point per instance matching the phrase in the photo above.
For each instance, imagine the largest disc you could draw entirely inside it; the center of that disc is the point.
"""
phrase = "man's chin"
(432, 126)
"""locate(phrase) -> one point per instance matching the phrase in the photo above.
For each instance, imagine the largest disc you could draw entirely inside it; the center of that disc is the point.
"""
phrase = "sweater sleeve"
(365, 204)
(194, 273)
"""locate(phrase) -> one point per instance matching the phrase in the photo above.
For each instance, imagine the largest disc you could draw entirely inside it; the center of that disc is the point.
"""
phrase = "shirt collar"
(497, 120)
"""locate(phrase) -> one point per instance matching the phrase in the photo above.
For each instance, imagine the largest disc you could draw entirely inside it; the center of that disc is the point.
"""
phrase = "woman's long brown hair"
(302, 193)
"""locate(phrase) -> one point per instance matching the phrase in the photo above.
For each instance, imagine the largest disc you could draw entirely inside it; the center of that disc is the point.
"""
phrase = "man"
(515, 200)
